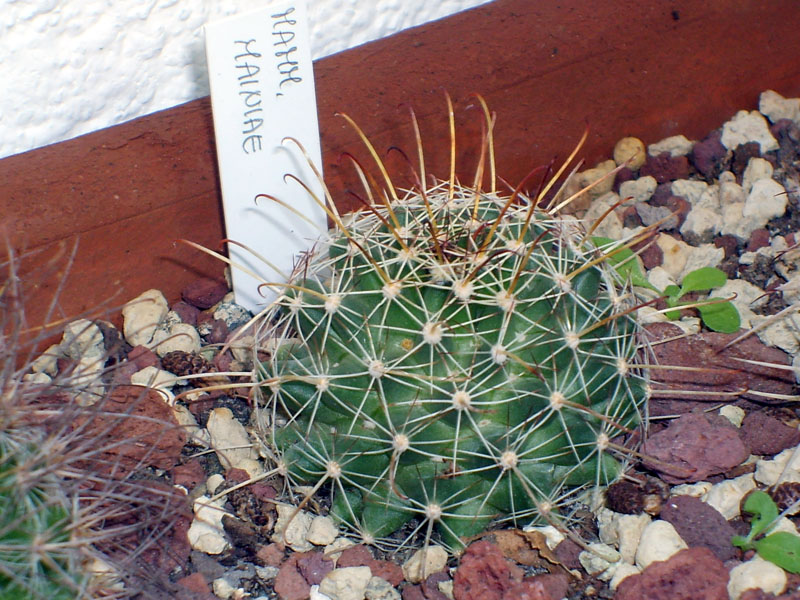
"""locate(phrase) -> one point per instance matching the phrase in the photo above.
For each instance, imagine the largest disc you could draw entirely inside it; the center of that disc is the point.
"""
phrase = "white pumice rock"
(552, 536)
(611, 225)
(676, 145)
(380, 589)
(242, 348)
(693, 192)
(734, 414)
(696, 490)
(349, 583)
(600, 561)
(37, 378)
(213, 482)
(334, 550)
(179, 336)
(747, 127)
(701, 224)
(735, 223)
(629, 533)
(756, 573)
(322, 531)
(785, 524)
(315, 594)
(648, 314)
(206, 533)
(225, 591)
(660, 277)
(766, 200)
(47, 361)
(607, 521)
(775, 107)
(757, 168)
(704, 255)
(590, 176)
(747, 297)
(82, 339)
(726, 496)
(630, 150)
(142, 315)
(291, 528)
(659, 541)
(186, 420)
(676, 253)
(641, 190)
(731, 192)
(621, 572)
(783, 334)
(784, 467)
(154, 377)
(446, 587)
(229, 439)
(425, 562)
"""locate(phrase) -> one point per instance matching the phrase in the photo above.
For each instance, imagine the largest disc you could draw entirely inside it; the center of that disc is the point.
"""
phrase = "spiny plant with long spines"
(452, 355)
(74, 521)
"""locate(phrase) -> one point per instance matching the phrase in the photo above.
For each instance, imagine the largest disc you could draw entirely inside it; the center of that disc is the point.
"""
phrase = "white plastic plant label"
(262, 92)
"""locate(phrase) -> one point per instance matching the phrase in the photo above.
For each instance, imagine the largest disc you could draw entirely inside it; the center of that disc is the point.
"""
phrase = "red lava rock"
(758, 239)
(387, 570)
(122, 373)
(692, 574)
(197, 585)
(765, 434)
(693, 447)
(355, 556)
(567, 552)
(270, 555)
(665, 168)
(427, 590)
(204, 293)
(186, 312)
(728, 243)
(313, 566)
(189, 474)
(217, 328)
(540, 587)
(136, 414)
(290, 583)
(484, 574)
(143, 357)
(700, 524)
(707, 155)
(725, 369)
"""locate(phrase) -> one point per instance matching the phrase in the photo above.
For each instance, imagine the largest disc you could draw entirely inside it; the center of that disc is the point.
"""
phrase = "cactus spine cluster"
(452, 355)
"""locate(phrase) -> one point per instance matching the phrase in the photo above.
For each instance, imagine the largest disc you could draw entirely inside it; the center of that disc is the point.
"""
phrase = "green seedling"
(781, 547)
(717, 314)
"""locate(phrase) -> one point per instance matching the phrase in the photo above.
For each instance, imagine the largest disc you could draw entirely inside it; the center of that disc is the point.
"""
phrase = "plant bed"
(714, 433)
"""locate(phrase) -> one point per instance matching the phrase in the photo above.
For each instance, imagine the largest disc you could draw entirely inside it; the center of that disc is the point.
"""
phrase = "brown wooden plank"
(546, 68)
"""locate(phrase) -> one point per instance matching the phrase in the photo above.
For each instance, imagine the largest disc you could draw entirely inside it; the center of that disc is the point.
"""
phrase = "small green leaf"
(625, 262)
(781, 548)
(672, 292)
(701, 279)
(722, 317)
(742, 542)
(764, 511)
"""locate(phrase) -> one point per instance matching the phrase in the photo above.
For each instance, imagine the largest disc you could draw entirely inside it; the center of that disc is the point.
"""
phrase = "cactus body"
(453, 356)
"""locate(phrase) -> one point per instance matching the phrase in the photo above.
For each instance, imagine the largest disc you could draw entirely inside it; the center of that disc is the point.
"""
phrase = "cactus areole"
(454, 356)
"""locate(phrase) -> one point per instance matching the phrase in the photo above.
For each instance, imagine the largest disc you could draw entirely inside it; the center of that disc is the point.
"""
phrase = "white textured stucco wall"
(68, 67)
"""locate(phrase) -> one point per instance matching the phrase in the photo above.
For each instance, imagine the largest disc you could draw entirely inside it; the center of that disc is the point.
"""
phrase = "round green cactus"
(455, 356)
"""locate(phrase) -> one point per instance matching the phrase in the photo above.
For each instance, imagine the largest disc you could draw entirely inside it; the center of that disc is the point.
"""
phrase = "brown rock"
(387, 570)
(700, 524)
(186, 312)
(355, 556)
(290, 583)
(204, 293)
(484, 574)
(765, 434)
(197, 585)
(270, 555)
(189, 474)
(665, 167)
(724, 369)
(692, 574)
(693, 447)
(143, 357)
(313, 566)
